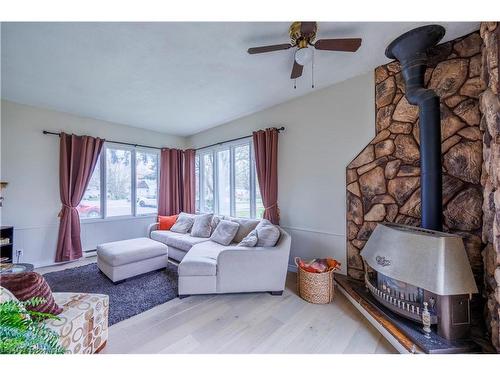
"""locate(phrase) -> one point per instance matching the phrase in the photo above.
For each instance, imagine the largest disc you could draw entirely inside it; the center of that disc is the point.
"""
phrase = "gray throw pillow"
(183, 224)
(225, 232)
(250, 240)
(215, 221)
(267, 234)
(202, 226)
(246, 226)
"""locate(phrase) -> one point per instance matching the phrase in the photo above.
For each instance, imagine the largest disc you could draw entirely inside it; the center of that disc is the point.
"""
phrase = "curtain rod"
(159, 148)
(120, 143)
(234, 139)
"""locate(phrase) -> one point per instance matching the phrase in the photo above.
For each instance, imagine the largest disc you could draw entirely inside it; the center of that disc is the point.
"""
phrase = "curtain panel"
(266, 161)
(77, 160)
(177, 182)
(189, 181)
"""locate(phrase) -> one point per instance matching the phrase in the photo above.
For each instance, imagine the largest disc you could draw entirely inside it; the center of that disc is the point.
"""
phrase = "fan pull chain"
(295, 83)
(312, 69)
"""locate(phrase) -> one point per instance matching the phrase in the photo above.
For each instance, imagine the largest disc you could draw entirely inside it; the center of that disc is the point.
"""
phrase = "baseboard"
(89, 253)
(52, 263)
(292, 268)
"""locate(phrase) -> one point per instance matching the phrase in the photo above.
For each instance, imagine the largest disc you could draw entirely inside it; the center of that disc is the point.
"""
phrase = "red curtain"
(266, 159)
(189, 181)
(170, 200)
(177, 182)
(77, 160)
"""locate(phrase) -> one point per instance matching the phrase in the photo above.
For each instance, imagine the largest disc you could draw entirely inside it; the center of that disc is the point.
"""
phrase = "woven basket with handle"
(315, 287)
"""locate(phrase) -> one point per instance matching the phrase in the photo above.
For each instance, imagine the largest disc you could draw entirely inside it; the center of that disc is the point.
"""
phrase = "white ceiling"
(177, 78)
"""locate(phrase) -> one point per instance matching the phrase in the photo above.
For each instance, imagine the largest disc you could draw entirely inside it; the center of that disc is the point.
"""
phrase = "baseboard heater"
(89, 253)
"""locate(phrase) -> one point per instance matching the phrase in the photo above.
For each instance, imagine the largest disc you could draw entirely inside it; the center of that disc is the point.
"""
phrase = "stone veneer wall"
(383, 181)
(490, 179)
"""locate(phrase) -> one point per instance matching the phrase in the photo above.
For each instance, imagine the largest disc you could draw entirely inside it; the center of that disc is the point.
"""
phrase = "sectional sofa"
(207, 267)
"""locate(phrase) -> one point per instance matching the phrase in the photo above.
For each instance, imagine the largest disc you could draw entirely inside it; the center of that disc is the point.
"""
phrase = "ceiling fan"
(302, 35)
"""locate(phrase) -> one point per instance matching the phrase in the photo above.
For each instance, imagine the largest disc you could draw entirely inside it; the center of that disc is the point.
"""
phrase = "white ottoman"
(123, 259)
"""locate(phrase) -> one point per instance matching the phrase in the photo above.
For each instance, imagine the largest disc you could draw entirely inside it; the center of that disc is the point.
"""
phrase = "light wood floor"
(244, 323)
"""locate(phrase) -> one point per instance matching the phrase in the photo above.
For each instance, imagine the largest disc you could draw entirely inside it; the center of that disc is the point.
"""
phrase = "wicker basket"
(315, 287)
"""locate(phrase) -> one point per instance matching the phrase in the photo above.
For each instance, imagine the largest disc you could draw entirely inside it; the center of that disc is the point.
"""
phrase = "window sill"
(117, 218)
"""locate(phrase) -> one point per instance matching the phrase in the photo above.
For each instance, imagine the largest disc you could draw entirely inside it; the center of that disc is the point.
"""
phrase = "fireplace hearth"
(406, 335)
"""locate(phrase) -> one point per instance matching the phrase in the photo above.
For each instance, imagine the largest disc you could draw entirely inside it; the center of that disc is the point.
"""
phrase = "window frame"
(231, 146)
(133, 194)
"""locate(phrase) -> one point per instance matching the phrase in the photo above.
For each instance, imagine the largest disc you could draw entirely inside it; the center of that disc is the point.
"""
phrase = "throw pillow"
(202, 226)
(250, 240)
(215, 221)
(225, 232)
(267, 234)
(26, 285)
(246, 226)
(166, 222)
(183, 224)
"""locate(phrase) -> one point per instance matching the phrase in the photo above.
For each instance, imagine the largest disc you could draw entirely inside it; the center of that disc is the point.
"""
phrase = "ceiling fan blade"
(345, 45)
(296, 70)
(263, 49)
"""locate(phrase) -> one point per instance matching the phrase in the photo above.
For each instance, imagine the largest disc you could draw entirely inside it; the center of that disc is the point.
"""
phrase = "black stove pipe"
(410, 49)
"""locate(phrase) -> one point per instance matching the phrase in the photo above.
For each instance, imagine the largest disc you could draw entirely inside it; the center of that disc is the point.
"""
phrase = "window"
(124, 183)
(90, 205)
(242, 180)
(208, 183)
(118, 182)
(226, 180)
(197, 175)
(146, 165)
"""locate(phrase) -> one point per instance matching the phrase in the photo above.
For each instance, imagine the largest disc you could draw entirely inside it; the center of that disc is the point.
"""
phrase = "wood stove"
(422, 274)
(409, 267)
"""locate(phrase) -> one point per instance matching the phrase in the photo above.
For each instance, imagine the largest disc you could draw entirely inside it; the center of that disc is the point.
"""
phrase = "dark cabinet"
(6, 243)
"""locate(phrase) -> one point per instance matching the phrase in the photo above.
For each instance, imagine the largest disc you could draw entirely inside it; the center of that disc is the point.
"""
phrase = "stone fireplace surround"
(383, 181)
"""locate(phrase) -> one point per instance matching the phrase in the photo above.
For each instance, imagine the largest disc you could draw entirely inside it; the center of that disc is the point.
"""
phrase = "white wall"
(324, 131)
(30, 164)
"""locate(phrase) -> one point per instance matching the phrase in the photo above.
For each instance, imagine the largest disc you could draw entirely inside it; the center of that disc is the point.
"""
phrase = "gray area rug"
(126, 299)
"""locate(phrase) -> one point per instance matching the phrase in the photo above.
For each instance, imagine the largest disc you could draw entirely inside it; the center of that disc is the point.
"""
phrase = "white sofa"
(207, 267)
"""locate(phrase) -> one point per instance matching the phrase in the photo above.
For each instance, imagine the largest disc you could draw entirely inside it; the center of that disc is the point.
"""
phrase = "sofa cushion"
(166, 222)
(246, 226)
(225, 232)
(128, 251)
(202, 226)
(182, 241)
(184, 223)
(215, 221)
(267, 234)
(26, 285)
(250, 240)
(201, 260)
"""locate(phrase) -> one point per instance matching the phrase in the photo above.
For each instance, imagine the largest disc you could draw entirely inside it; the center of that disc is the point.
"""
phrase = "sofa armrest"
(152, 227)
(83, 324)
(247, 269)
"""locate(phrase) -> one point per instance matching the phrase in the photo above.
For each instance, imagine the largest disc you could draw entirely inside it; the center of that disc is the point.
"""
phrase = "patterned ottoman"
(83, 324)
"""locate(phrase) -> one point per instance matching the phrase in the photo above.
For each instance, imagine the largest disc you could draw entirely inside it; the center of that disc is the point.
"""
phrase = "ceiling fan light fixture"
(303, 56)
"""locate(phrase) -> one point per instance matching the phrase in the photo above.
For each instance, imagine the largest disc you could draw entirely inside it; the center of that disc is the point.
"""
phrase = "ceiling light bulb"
(303, 56)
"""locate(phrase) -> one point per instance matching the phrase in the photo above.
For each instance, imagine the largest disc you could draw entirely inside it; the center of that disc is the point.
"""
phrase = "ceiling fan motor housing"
(298, 38)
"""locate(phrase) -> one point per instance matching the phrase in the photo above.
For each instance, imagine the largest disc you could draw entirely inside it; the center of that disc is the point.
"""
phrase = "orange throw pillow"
(166, 222)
